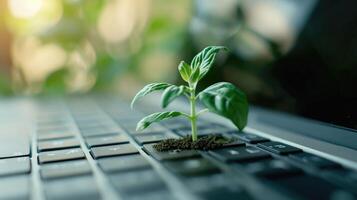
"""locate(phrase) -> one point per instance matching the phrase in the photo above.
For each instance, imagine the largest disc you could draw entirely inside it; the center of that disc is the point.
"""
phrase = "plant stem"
(193, 114)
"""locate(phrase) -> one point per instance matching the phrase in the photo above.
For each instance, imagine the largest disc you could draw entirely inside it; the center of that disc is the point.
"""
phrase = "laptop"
(86, 147)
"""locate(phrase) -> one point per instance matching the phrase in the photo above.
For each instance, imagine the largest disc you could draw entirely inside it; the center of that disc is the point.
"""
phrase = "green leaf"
(156, 117)
(171, 93)
(149, 89)
(205, 59)
(185, 70)
(195, 76)
(228, 101)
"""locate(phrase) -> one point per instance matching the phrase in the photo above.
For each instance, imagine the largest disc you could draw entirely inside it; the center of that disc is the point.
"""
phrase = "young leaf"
(205, 59)
(194, 78)
(228, 101)
(185, 70)
(171, 93)
(156, 117)
(148, 89)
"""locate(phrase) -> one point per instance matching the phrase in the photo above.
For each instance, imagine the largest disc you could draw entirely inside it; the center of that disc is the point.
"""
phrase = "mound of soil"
(207, 142)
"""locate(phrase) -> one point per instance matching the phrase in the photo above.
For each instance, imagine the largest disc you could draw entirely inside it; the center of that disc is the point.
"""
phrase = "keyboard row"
(63, 162)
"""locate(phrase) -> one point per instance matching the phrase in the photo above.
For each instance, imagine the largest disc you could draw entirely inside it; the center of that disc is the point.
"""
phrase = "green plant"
(222, 98)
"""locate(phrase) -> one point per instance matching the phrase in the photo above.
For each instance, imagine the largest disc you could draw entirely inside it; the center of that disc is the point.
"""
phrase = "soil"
(207, 142)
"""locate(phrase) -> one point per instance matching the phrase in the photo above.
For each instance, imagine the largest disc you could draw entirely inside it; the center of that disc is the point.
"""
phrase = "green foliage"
(156, 117)
(185, 71)
(221, 98)
(205, 59)
(171, 93)
(149, 89)
(226, 100)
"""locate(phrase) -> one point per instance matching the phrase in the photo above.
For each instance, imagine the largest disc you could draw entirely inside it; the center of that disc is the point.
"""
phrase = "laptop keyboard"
(84, 149)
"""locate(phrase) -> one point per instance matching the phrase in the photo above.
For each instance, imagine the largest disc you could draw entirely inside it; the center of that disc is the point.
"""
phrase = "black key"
(206, 130)
(60, 155)
(65, 169)
(106, 140)
(239, 154)
(82, 187)
(15, 187)
(140, 181)
(14, 144)
(225, 193)
(234, 142)
(250, 138)
(55, 136)
(315, 161)
(347, 177)
(113, 150)
(123, 163)
(152, 137)
(278, 148)
(10, 166)
(176, 123)
(192, 167)
(170, 155)
(57, 144)
(271, 168)
(310, 187)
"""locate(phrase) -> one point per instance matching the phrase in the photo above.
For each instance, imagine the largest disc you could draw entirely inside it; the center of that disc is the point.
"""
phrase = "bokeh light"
(25, 8)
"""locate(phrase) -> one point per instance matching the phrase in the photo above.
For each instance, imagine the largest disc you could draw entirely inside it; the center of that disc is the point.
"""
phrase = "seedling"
(222, 98)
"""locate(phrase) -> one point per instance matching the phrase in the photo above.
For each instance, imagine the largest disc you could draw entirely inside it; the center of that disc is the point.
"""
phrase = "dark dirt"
(207, 142)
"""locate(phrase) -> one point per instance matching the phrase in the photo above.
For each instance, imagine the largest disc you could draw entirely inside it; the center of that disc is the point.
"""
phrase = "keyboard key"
(152, 137)
(65, 169)
(14, 144)
(106, 140)
(123, 163)
(46, 129)
(312, 160)
(205, 130)
(192, 167)
(131, 128)
(271, 168)
(100, 132)
(83, 187)
(52, 136)
(60, 155)
(141, 181)
(170, 155)
(15, 188)
(225, 193)
(234, 142)
(58, 144)
(310, 187)
(347, 177)
(278, 148)
(113, 150)
(250, 138)
(19, 165)
(239, 154)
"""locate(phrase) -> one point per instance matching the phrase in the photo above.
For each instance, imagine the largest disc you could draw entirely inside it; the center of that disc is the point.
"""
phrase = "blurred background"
(298, 56)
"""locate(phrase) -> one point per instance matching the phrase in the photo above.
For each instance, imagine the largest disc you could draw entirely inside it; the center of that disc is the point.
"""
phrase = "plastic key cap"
(239, 154)
(57, 144)
(65, 169)
(106, 140)
(113, 150)
(60, 155)
(278, 148)
(10, 166)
